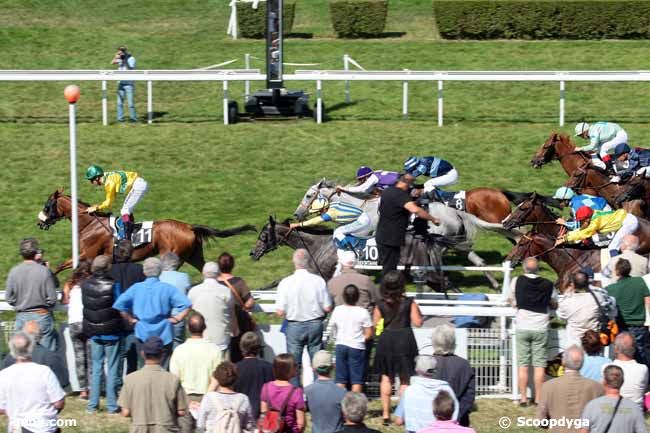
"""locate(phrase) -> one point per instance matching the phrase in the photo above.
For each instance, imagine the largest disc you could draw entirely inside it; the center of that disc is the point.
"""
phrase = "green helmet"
(93, 172)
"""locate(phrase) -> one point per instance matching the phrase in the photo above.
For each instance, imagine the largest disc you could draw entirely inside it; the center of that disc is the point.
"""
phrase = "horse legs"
(478, 261)
(196, 258)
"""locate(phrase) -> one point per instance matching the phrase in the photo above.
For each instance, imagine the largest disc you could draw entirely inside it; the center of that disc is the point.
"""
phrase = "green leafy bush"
(252, 22)
(545, 19)
(358, 18)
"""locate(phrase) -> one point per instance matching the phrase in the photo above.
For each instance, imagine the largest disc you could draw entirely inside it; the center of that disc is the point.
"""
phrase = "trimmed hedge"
(545, 19)
(358, 18)
(252, 22)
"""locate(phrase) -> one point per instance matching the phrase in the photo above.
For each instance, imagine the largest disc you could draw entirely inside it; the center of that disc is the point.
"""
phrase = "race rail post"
(225, 102)
(247, 83)
(346, 67)
(104, 104)
(439, 102)
(149, 101)
(562, 103)
(319, 102)
(72, 93)
(405, 98)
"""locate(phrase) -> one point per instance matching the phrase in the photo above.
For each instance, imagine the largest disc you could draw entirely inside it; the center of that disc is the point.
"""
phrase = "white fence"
(226, 76)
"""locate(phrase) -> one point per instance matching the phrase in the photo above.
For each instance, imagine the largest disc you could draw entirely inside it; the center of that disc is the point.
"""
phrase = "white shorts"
(621, 137)
(629, 226)
(361, 227)
(444, 180)
(138, 190)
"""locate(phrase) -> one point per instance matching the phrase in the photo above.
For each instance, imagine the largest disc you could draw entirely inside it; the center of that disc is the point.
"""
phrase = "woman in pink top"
(275, 393)
(443, 411)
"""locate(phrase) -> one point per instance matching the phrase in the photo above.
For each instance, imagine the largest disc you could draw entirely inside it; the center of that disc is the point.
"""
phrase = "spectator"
(244, 303)
(444, 407)
(612, 410)
(148, 306)
(395, 208)
(80, 345)
(225, 397)
(592, 367)
(532, 295)
(215, 302)
(125, 88)
(253, 371)
(638, 263)
(324, 397)
(632, 299)
(43, 356)
(302, 300)
(30, 290)
(126, 273)
(454, 370)
(280, 393)
(636, 374)
(354, 408)
(104, 326)
(579, 308)
(193, 362)
(565, 397)
(152, 397)
(352, 327)
(369, 294)
(170, 275)
(30, 395)
(414, 409)
(396, 347)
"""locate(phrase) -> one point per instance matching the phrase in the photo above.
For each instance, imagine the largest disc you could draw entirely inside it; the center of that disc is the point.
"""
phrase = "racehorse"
(321, 250)
(96, 238)
(535, 211)
(559, 146)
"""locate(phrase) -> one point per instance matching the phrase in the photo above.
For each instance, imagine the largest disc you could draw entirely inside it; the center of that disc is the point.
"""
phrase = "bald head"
(300, 258)
(573, 358)
(624, 345)
(630, 243)
(531, 266)
(21, 346)
(196, 324)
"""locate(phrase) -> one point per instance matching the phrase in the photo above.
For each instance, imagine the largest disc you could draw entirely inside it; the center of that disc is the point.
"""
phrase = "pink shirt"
(276, 395)
(446, 427)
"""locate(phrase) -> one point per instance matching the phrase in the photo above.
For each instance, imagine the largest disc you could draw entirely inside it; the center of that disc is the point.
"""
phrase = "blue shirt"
(416, 404)
(180, 280)
(324, 401)
(151, 302)
(592, 368)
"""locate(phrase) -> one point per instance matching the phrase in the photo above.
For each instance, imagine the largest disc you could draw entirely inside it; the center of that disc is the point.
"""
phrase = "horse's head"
(266, 241)
(554, 147)
(51, 212)
(322, 188)
(532, 210)
(530, 245)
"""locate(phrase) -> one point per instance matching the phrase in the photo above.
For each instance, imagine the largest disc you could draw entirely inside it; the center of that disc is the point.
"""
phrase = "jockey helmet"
(584, 213)
(620, 149)
(318, 204)
(564, 193)
(363, 171)
(581, 128)
(94, 171)
(411, 163)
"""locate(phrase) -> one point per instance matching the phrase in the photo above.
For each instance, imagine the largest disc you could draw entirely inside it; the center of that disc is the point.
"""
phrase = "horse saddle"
(142, 231)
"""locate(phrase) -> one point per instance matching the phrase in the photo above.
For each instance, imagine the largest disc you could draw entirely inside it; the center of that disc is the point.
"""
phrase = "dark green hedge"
(358, 18)
(552, 19)
(252, 22)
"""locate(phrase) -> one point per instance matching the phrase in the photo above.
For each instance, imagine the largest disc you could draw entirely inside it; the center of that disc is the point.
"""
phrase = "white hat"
(581, 128)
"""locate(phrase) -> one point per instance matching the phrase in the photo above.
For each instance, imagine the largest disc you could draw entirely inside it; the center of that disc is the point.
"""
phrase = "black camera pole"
(274, 44)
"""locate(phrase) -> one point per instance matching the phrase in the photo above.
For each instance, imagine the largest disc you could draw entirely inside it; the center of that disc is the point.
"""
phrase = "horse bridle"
(527, 212)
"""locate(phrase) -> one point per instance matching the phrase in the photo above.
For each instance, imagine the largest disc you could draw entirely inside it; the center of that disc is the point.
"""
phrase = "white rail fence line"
(318, 76)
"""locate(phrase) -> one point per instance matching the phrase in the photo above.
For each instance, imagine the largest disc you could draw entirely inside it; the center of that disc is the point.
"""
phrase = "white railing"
(318, 76)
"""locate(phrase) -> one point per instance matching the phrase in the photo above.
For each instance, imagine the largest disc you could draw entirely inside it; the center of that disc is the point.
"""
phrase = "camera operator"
(125, 88)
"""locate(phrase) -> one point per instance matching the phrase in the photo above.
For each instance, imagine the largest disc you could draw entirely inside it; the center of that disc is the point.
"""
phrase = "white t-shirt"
(27, 391)
(635, 380)
(347, 323)
(75, 306)
(303, 296)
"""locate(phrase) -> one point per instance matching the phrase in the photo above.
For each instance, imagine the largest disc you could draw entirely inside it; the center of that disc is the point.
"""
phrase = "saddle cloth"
(451, 199)
(142, 232)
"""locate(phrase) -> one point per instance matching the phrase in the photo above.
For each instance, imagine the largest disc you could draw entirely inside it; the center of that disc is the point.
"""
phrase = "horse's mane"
(86, 204)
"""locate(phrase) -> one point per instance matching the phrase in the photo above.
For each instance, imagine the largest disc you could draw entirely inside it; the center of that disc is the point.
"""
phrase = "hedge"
(358, 18)
(252, 22)
(553, 19)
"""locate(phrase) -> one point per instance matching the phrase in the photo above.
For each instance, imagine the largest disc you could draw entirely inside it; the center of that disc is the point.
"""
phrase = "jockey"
(351, 220)
(441, 172)
(630, 162)
(619, 221)
(602, 136)
(369, 181)
(123, 182)
(566, 196)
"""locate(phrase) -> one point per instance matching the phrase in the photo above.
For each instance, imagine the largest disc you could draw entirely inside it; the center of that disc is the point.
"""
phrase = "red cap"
(584, 213)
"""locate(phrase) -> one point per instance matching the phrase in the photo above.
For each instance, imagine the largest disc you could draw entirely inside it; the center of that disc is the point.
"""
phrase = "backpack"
(607, 328)
(227, 419)
(273, 420)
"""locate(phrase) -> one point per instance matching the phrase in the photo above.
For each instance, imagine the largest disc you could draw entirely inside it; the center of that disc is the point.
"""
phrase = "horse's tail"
(516, 197)
(205, 233)
(472, 224)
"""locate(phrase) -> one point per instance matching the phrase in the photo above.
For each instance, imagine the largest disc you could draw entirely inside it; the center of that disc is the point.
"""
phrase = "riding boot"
(127, 222)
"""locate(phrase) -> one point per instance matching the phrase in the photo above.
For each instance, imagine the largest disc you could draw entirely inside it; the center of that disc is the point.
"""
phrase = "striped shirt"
(339, 213)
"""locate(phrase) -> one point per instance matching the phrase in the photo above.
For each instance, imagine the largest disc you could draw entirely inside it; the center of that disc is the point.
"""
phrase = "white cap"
(581, 128)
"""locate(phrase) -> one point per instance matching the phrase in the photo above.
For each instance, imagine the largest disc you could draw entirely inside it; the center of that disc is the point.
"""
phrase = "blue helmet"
(363, 171)
(411, 163)
(620, 149)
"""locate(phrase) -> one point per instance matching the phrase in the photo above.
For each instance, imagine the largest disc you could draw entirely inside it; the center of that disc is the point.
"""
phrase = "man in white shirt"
(636, 375)
(303, 301)
(215, 303)
(30, 394)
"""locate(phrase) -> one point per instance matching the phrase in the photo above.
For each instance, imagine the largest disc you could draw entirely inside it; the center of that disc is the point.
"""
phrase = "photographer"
(125, 88)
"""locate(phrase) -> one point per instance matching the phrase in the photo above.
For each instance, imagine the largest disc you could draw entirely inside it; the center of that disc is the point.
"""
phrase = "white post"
(405, 99)
(104, 104)
(503, 365)
(562, 103)
(319, 102)
(149, 101)
(505, 287)
(346, 67)
(514, 368)
(439, 102)
(225, 102)
(247, 83)
(73, 186)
